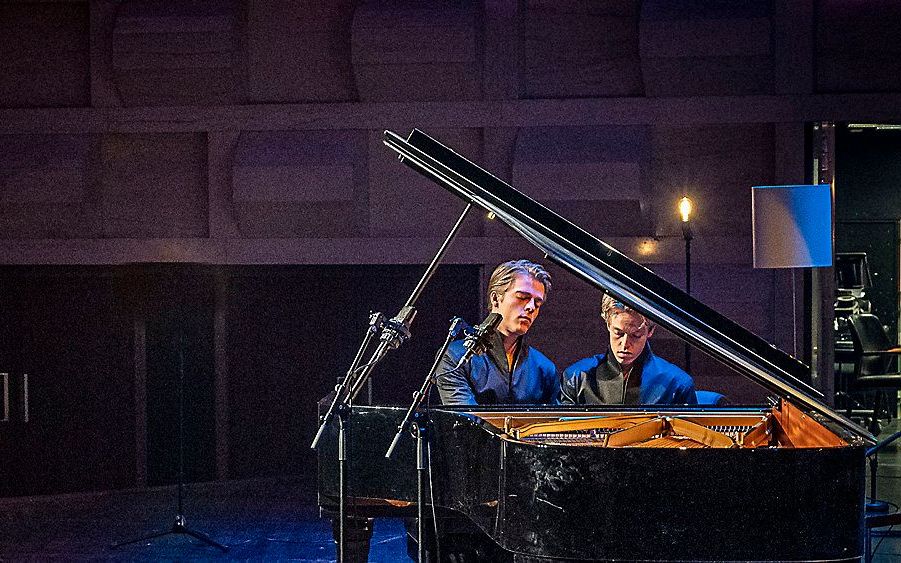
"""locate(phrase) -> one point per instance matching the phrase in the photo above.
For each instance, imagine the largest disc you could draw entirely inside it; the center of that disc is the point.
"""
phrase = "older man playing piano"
(629, 373)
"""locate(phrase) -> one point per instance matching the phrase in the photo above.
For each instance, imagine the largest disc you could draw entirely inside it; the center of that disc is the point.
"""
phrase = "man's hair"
(611, 306)
(504, 274)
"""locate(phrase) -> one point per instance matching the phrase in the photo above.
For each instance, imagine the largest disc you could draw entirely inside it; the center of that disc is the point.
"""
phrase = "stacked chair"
(876, 378)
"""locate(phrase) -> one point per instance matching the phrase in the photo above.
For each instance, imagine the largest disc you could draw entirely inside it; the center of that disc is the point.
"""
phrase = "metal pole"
(822, 287)
(420, 487)
(687, 235)
(342, 481)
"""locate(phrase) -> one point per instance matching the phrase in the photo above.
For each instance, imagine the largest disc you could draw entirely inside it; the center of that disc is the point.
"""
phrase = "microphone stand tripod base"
(178, 527)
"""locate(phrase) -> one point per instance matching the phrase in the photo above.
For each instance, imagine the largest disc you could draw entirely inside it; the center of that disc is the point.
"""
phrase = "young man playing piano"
(511, 371)
(629, 373)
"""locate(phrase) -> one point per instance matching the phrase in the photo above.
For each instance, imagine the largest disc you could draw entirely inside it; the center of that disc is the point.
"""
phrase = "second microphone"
(478, 340)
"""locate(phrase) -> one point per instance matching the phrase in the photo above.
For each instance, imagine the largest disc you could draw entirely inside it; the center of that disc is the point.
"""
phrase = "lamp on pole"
(685, 209)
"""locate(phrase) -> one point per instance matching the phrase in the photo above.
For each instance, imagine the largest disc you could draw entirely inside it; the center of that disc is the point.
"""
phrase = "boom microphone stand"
(476, 343)
(394, 333)
(420, 429)
(179, 526)
(457, 325)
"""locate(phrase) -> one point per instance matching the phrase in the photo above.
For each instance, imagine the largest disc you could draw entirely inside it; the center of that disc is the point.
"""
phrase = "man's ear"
(651, 330)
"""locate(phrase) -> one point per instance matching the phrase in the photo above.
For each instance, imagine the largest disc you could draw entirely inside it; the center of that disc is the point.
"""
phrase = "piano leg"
(357, 535)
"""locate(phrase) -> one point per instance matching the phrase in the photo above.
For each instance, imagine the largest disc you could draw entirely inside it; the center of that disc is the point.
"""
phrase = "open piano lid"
(608, 269)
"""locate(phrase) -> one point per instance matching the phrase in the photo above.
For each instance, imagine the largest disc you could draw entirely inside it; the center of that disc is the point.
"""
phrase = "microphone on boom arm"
(397, 329)
(478, 340)
(395, 332)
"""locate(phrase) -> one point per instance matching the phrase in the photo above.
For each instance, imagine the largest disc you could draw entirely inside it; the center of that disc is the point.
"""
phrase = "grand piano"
(779, 482)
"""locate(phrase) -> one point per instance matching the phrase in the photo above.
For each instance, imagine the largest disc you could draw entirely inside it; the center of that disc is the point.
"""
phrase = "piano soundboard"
(785, 426)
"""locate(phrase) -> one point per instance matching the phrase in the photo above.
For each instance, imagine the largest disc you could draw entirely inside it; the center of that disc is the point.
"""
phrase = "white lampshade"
(792, 226)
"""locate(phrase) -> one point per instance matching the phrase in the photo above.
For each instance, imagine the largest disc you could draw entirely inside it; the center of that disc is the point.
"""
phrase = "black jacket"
(486, 379)
(598, 380)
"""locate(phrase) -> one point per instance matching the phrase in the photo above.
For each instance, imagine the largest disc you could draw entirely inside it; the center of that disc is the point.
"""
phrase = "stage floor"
(266, 519)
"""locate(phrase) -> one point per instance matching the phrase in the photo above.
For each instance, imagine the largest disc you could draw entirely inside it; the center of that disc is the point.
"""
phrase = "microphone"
(477, 341)
(397, 330)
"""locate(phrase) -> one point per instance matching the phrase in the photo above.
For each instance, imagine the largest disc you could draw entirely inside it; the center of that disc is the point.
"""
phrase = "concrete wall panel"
(44, 55)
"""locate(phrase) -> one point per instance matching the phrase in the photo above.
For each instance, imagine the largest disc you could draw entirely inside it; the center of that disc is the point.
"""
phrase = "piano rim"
(476, 414)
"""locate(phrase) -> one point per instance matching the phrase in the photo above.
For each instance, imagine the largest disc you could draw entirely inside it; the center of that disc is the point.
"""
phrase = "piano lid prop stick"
(409, 305)
(394, 333)
(439, 256)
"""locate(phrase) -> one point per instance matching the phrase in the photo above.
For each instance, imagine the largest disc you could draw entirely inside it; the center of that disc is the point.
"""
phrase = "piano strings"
(641, 431)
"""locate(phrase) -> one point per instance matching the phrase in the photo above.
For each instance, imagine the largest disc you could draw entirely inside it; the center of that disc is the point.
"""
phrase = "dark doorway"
(868, 207)
(176, 303)
(66, 347)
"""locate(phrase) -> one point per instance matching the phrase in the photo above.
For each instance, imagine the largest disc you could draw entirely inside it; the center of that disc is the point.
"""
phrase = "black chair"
(875, 366)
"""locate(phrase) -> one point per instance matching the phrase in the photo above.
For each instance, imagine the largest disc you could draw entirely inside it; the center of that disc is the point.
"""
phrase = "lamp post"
(685, 209)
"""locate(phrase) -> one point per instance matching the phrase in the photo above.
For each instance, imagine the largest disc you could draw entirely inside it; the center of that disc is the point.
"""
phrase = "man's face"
(628, 335)
(519, 305)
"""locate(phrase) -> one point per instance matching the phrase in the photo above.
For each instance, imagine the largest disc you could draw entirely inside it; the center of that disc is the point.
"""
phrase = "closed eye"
(522, 296)
(633, 335)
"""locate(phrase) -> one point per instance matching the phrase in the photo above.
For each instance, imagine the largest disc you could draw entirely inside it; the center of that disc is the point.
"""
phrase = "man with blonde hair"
(511, 371)
(629, 373)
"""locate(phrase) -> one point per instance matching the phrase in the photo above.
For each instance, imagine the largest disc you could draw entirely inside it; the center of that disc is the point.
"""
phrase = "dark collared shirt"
(486, 379)
(599, 380)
